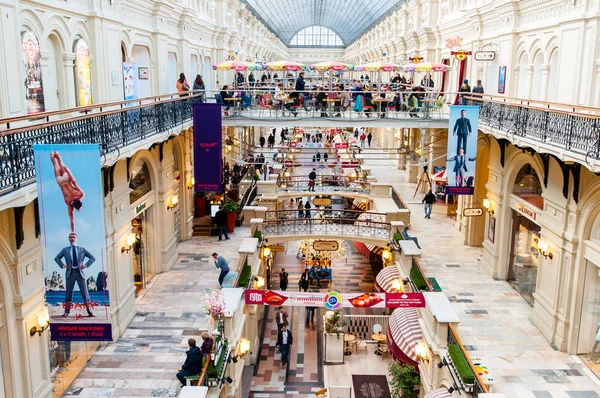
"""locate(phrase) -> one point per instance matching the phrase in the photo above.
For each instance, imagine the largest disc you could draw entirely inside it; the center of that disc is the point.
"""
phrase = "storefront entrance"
(590, 310)
(143, 261)
(524, 256)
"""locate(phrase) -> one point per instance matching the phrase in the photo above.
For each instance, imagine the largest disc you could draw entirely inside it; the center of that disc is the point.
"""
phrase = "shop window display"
(523, 268)
(527, 186)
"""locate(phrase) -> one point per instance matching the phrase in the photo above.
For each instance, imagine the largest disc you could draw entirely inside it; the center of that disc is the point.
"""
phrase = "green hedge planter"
(245, 276)
(418, 279)
(398, 237)
(214, 371)
(464, 371)
(258, 235)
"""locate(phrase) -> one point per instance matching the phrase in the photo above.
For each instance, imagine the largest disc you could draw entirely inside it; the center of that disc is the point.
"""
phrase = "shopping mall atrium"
(300, 198)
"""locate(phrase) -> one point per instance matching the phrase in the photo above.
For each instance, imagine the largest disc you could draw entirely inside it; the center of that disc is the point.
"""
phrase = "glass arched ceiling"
(348, 18)
(316, 36)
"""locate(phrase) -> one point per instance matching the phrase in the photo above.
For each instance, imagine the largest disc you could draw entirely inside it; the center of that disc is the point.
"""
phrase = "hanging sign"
(416, 60)
(326, 245)
(335, 300)
(322, 202)
(472, 212)
(454, 42)
(484, 55)
(277, 248)
(524, 210)
(460, 55)
(232, 57)
(341, 145)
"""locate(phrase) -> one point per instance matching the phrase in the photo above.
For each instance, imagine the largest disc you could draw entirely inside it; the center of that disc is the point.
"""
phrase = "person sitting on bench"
(408, 237)
(313, 273)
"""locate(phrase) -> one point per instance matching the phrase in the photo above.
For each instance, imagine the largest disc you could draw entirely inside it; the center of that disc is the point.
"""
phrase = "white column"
(545, 75)
(69, 86)
(529, 72)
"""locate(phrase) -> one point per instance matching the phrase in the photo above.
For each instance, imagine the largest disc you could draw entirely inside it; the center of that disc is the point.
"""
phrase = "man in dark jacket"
(193, 362)
(221, 221)
(429, 200)
(284, 342)
(312, 176)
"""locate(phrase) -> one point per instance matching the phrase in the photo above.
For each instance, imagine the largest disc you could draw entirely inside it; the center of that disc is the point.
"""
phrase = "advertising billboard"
(462, 150)
(208, 159)
(83, 74)
(73, 241)
(32, 68)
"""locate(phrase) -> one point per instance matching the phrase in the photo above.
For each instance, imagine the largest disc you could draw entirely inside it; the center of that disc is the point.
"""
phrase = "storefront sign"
(75, 276)
(341, 145)
(462, 150)
(454, 42)
(208, 151)
(485, 55)
(293, 144)
(140, 207)
(277, 249)
(473, 212)
(460, 55)
(335, 300)
(524, 210)
(326, 245)
(416, 60)
(32, 66)
(322, 201)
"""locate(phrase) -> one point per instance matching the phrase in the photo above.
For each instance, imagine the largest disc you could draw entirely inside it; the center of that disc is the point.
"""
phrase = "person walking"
(465, 88)
(261, 141)
(312, 176)
(283, 280)
(193, 362)
(281, 319)
(307, 208)
(182, 85)
(429, 200)
(369, 138)
(221, 221)
(325, 157)
(199, 88)
(284, 342)
(222, 265)
(303, 282)
(310, 315)
(265, 170)
(478, 89)
(363, 136)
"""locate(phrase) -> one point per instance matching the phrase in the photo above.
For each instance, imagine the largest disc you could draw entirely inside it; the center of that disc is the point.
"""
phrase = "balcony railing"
(341, 216)
(326, 226)
(124, 123)
(325, 185)
(571, 128)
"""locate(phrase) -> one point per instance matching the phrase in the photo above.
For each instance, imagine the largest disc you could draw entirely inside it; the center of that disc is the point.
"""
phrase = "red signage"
(335, 300)
(341, 145)
(293, 144)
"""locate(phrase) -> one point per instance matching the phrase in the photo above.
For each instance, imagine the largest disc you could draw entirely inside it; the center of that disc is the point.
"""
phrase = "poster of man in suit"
(462, 150)
(71, 208)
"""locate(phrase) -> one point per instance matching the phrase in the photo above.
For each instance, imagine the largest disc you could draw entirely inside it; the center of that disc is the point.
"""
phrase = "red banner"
(293, 144)
(335, 300)
(341, 145)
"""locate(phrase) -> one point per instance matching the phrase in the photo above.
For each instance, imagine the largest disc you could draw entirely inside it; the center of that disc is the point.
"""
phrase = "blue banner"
(208, 152)
(73, 241)
(462, 150)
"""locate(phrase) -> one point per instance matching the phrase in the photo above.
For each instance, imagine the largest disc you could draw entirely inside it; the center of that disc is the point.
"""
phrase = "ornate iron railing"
(113, 130)
(323, 184)
(575, 132)
(324, 226)
(349, 216)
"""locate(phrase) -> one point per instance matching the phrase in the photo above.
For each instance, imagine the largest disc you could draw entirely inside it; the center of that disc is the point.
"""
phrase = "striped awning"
(360, 204)
(364, 218)
(385, 278)
(366, 249)
(403, 333)
(438, 393)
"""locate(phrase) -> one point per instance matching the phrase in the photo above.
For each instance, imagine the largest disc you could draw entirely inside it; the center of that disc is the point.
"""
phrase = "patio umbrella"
(377, 66)
(229, 65)
(284, 65)
(426, 67)
(331, 65)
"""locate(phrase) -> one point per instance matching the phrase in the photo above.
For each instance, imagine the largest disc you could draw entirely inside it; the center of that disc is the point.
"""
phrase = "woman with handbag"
(182, 85)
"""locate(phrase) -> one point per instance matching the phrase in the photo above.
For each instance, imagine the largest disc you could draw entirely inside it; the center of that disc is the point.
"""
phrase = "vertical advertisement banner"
(462, 150)
(73, 241)
(130, 80)
(83, 74)
(208, 159)
(32, 68)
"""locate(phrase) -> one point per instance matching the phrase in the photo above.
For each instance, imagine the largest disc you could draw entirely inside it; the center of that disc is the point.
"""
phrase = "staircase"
(202, 226)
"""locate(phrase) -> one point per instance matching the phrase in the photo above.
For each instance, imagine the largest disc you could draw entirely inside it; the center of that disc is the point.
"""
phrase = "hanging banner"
(335, 300)
(130, 81)
(208, 164)
(83, 73)
(71, 207)
(32, 68)
(462, 150)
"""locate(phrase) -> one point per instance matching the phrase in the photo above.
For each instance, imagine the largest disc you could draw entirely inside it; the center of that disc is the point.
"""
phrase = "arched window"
(527, 186)
(316, 36)
(140, 181)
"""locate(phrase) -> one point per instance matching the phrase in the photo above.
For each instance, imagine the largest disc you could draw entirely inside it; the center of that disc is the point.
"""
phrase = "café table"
(330, 102)
(380, 102)
(379, 338)
(236, 103)
(429, 104)
(348, 338)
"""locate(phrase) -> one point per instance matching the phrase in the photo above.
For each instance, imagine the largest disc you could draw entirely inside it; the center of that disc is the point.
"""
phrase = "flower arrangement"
(214, 303)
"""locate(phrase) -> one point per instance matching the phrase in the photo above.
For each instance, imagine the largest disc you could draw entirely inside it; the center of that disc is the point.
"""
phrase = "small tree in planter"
(230, 207)
(334, 342)
(404, 380)
(200, 202)
(334, 324)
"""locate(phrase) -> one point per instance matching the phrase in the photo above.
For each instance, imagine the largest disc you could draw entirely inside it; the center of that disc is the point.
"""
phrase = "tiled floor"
(495, 319)
(144, 360)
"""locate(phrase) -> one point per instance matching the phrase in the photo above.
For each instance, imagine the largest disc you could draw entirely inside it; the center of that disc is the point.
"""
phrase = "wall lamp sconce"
(487, 204)
(386, 255)
(260, 282)
(422, 351)
(43, 321)
(397, 286)
(266, 251)
(174, 202)
(543, 248)
(128, 244)
(227, 379)
(190, 183)
(442, 363)
(243, 348)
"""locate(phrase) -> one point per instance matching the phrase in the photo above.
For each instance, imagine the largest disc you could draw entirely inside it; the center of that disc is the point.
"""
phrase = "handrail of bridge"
(346, 185)
(537, 104)
(329, 214)
(113, 130)
(326, 226)
(453, 338)
(398, 200)
(575, 132)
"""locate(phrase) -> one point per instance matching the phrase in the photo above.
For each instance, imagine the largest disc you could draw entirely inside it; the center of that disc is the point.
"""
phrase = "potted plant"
(230, 207)
(404, 380)
(334, 341)
(200, 201)
(214, 304)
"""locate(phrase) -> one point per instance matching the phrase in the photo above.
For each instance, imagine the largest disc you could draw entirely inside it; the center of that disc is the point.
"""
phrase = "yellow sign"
(460, 55)
(326, 245)
(416, 60)
(322, 201)
(454, 42)
(277, 249)
(83, 73)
